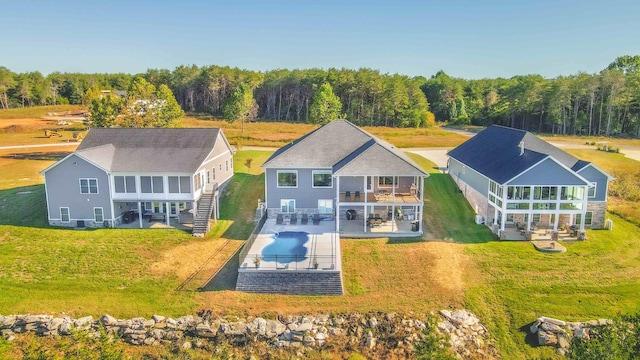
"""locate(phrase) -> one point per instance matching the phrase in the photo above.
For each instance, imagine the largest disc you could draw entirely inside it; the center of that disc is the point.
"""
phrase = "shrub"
(433, 345)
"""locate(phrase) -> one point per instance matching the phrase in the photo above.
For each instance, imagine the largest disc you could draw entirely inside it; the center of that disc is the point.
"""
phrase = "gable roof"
(347, 150)
(148, 149)
(495, 153)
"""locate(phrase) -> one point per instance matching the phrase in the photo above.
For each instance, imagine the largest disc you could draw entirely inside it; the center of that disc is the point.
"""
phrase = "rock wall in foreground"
(374, 333)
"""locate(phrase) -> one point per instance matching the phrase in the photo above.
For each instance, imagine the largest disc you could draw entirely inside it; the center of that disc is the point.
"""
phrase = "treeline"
(367, 96)
(607, 103)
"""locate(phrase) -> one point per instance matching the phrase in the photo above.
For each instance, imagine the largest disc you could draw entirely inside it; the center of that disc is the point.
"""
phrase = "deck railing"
(254, 234)
(289, 262)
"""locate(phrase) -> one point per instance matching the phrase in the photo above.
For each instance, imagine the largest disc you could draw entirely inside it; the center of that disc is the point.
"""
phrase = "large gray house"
(514, 179)
(135, 176)
(341, 172)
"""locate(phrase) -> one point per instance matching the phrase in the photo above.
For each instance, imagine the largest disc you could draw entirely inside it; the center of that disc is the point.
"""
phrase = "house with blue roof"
(515, 180)
(341, 173)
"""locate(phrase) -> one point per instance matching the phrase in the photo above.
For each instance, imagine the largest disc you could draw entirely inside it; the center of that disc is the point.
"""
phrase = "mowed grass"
(626, 184)
(277, 134)
(37, 111)
(596, 278)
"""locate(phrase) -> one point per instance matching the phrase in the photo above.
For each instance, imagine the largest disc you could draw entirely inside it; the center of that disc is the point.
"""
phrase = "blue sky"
(469, 39)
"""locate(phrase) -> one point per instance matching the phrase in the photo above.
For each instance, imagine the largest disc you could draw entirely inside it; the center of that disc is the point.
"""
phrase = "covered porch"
(153, 214)
(540, 226)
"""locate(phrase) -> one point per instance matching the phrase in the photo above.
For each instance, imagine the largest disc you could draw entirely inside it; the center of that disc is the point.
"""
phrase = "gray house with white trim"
(511, 176)
(130, 175)
(340, 172)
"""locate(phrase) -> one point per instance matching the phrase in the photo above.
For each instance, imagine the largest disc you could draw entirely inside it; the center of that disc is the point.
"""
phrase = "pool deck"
(323, 248)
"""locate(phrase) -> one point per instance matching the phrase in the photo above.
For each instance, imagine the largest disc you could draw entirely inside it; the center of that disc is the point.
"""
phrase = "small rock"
(373, 322)
(158, 318)
(371, 342)
(306, 326)
(534, 327)
(186, 345)
(320, 336)
(563, 341)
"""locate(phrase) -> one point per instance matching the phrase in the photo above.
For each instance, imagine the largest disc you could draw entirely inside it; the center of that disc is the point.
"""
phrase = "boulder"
(552, 321)
(547, 338)
(550, 327)
(305, 326)
(274, 328)
(534, 327)
(108, 320)
(158, 318)
(564, 341)
(84, 322)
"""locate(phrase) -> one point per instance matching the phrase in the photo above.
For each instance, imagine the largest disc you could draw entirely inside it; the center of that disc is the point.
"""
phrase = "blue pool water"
(287, 247)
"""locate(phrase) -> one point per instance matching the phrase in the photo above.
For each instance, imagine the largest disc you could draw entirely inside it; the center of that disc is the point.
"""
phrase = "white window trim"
(68, 214)
(287, 202)
(330, 201)
(594, 186)
(286, 171)
(314, 172)
(393, 178)
(89, 186)
(94, 214)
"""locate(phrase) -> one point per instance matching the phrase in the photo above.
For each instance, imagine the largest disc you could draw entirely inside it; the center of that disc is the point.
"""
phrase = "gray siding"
(218, 159)
(594, 175)
(63, 190)
(305, 194)
(548, 172)
(469, 176)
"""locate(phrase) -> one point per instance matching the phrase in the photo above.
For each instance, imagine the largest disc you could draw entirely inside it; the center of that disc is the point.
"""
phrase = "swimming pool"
(287, 247)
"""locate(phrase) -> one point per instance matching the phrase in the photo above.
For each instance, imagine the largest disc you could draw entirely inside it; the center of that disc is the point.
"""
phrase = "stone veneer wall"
(478, 201)
(599, 209)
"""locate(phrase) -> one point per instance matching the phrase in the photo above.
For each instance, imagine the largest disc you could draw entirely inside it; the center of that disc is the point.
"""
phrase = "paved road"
(35, 146)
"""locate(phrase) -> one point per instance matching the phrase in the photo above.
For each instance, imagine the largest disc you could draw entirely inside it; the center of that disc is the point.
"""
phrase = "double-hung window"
(88, 186)
(125, 184)
(98, 214)
(151, 184)
(592, 190)
(179, 184)
(287, 205)
(64, 214)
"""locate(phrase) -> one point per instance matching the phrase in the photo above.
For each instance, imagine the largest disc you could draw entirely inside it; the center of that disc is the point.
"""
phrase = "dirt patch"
(187, 259)
(25, 125)
(449, 267)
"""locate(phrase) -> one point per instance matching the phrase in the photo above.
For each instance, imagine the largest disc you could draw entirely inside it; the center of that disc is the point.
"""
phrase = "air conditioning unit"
(479, 220)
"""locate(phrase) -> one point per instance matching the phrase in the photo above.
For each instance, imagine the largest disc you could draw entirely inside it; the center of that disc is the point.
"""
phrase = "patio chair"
(316, 219)
(294, 219)
(279, 219)
(357, 196)
(347, 195)
(305, 219)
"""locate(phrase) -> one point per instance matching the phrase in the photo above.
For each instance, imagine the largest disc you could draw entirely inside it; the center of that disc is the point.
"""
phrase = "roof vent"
(521, 145)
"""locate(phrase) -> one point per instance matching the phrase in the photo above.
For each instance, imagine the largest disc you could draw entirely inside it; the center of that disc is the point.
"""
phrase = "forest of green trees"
(605, 103)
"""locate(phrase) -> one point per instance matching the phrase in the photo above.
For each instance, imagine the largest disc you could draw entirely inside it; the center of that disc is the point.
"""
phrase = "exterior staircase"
(205, 209)
(291, 282)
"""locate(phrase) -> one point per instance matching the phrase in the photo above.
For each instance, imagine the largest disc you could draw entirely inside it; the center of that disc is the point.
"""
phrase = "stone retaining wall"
(559, 334)
(373, 333)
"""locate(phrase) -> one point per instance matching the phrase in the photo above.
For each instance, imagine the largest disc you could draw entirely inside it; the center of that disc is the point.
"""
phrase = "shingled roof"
(148, 149)
(495, 153)
(347, 150)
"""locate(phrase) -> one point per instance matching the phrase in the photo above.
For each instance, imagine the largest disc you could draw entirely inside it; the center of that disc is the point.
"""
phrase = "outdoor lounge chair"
(316, 219)
(294, 219)
(357, 197)
(305, 219)
(279, 219)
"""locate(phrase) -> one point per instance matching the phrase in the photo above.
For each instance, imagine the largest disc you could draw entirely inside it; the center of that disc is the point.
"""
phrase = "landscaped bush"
(620, 340)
